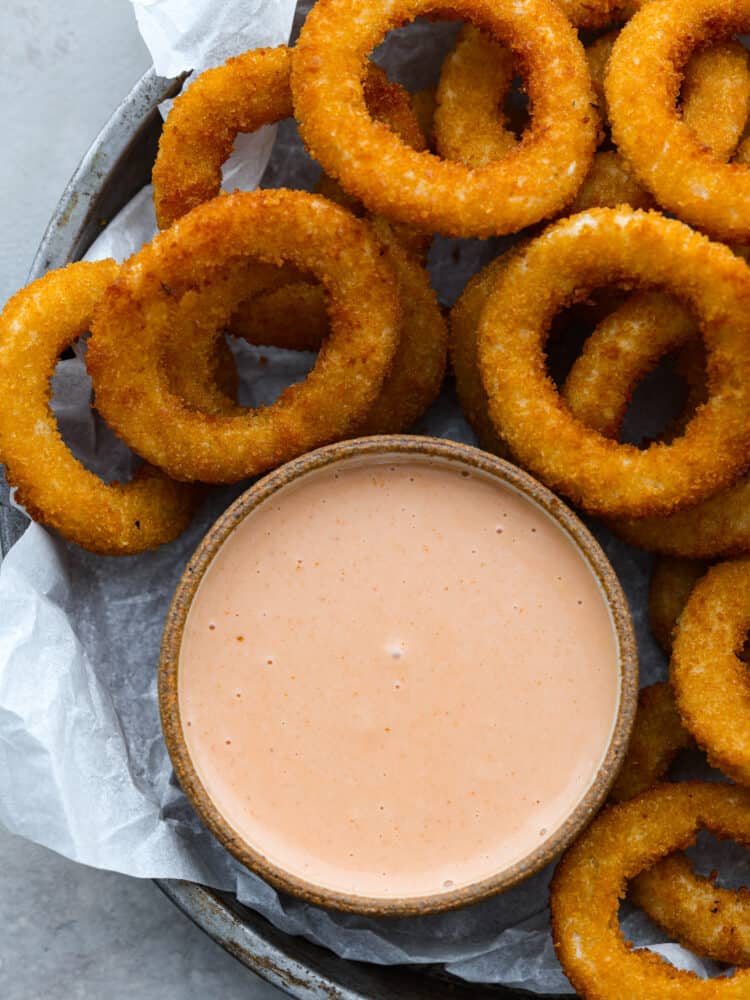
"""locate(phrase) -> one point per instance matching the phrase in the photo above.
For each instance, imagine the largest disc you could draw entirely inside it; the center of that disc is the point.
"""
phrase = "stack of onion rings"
(197, 138)
(591, 880)
(658, 736)
(477, 75)
(708, 920)
(562, 266)
(214, 244)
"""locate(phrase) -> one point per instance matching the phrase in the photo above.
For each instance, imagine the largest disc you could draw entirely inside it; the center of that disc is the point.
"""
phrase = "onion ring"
(591, 880)
(684, 176)
(704, 918)
(692, 909)
(625, 347)
(573, 256)
(211, 247)
(418, 367)
(658, 736)
(424, 103)
(534, 181)
(710, 682)
(716, 97)
(242, 95)
(717, 528)
(476, 76)
(672, 582)
(36, 326)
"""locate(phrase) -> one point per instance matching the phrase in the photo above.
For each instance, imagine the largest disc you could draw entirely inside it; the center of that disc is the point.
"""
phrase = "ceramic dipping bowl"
(471, 461)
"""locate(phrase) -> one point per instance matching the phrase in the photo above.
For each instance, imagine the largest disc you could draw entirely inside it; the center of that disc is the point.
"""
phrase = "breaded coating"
(36, 326)
(642, 86)
(592, 878)
(672, 582)
(208, 252)
(533, 182)
(623, 349)
(710, 681)
(287, 318)
(574, 256)
(658, 736)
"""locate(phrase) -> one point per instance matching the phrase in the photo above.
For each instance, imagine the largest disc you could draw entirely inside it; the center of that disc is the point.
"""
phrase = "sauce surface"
(397, 679)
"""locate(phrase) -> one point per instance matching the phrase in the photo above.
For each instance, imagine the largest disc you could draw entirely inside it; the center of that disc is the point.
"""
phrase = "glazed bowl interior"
(471, 461)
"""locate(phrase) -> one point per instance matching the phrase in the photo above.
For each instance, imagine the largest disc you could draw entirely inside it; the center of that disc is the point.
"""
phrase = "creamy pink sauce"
(397, 679)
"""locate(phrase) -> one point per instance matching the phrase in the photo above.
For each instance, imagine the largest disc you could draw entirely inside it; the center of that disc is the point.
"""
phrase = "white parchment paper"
(83, 767)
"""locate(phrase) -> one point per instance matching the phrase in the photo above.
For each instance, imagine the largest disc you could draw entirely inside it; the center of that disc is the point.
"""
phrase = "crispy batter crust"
(299, 321)
(208, 251)
(685, 176)
(534, 181)
(672, 582)
(716, 97)
(611, 246)
(626, 346)
(36, 326)
(470, 125)
(476, 76)
(708, 920)
(710, 682)
(717, 528)
(658, 736)
(242, 95)
(463, 352)
(592, 878)
(610, 182)
(693, 910)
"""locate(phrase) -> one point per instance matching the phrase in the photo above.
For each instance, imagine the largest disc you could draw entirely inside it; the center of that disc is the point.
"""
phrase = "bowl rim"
(381, 447)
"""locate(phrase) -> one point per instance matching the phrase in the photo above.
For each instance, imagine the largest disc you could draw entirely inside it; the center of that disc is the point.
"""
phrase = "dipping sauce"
(397, 679)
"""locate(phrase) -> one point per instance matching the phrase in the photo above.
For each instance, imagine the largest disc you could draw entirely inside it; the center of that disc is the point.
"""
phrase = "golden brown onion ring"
(610, 183)
(533, 182)
(684, 176)
(624, 348)
(710, 681)
(602, 247)
(708, 920)
(476, 78)
(418, 368)
(591, 880)
(716, 97)
(36, 326)
(716, 528)
(208, 251)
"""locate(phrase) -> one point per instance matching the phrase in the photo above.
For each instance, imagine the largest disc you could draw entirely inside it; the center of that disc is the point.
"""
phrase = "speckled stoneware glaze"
(386, 448)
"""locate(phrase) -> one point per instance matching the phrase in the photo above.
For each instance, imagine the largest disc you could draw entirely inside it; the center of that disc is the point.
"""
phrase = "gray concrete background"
(66, 931)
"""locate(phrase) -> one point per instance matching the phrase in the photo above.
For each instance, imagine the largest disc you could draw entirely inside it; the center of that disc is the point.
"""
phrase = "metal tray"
(115, 168)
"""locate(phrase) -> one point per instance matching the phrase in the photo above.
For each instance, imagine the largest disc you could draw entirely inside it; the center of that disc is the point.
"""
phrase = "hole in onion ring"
(82, 429)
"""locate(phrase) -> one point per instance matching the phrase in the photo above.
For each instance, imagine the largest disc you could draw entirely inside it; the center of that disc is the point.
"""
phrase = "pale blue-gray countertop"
(69, 932)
